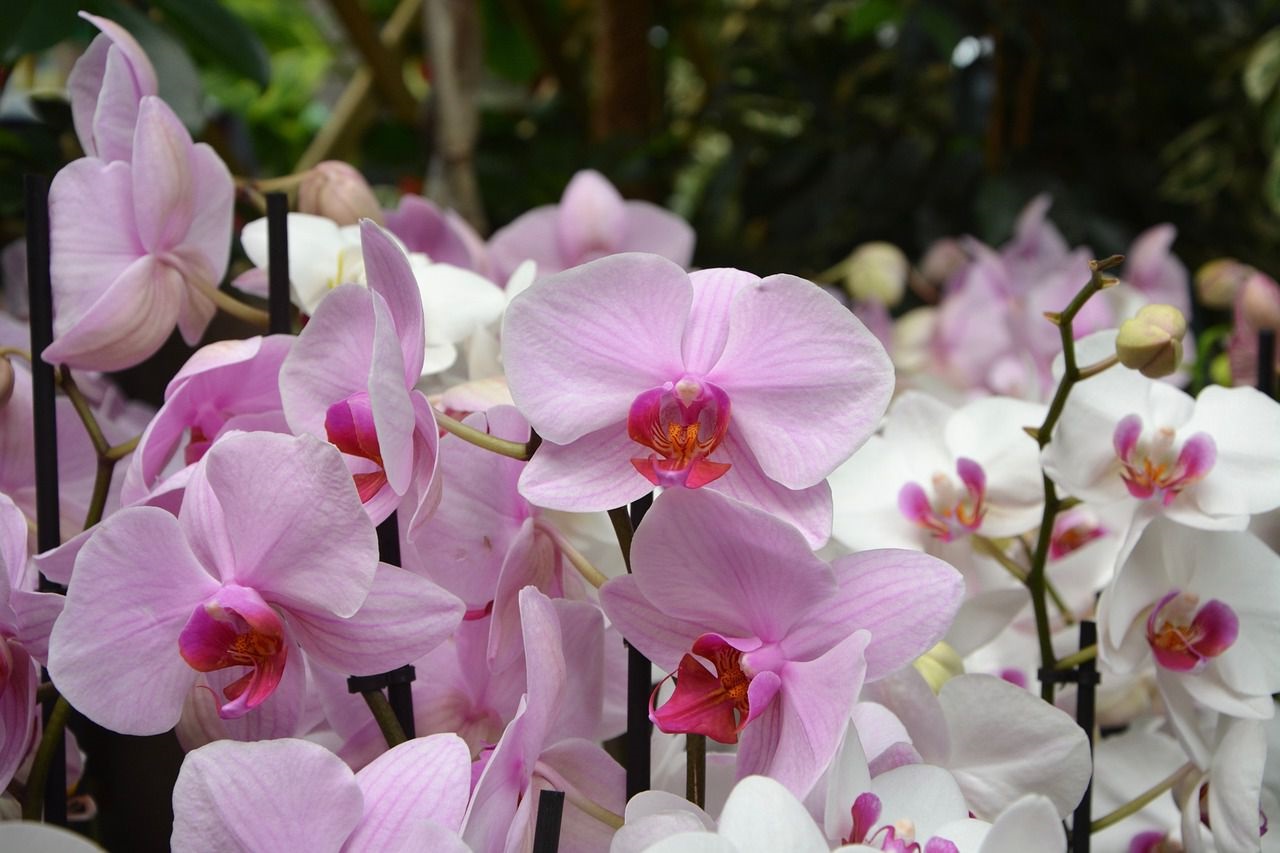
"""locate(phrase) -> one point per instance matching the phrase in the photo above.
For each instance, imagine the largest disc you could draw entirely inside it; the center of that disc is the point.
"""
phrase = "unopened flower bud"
(1151, 342)
(6, 381)
(943, 259)
(1259, 302)
(338, 191)
(1218, 281)
(877, 272)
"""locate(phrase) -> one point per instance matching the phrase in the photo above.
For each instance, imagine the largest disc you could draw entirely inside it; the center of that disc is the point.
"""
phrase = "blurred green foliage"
(787, 132)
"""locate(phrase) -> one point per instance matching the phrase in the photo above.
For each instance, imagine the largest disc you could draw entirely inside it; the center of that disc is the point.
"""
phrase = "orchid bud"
(877, 272)
(1218, 281)
(943, 259)
(338, 191)
(1151, 342)
(6, 381)
(1259, 301)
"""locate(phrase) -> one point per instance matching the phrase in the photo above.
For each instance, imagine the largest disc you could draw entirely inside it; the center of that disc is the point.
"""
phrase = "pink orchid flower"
(350, 380)
(106, 86)
(441, 235)
(26, 618)
(225, 386)
(538, 750)
(128, 239)
(772, 644)
(637, 374)
(271, 554)
(296, 795)
(591, 221)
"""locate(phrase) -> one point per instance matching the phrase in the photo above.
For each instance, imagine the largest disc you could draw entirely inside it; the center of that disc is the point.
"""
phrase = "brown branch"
(381, 59)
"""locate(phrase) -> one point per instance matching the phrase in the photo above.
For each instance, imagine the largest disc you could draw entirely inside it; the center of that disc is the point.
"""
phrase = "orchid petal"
(280, 515)
(426, 779)
(606, 330)
(117, 666)
(808, 381)
(269, 795)
(764, 816)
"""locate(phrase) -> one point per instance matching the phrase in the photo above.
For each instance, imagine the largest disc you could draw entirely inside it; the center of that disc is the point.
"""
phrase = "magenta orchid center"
(956, 509)
(1072, 530)
(349, 426)
(237, 628)
(896, 837)
(1184, 636)
(716, 701)
(1156, 465)
(683, 423)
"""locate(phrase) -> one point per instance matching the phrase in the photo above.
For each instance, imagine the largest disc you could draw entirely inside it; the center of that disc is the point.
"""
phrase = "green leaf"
(216, 35)
(32, 25)
(1262, 69)
(867, 17)
(508, 51)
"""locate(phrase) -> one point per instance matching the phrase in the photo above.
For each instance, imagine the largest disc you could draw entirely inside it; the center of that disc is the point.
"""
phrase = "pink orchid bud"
(338, 191)
(877, 272)
(943, 259)
(1218, 281)
(1151, 342)
(1260, 301)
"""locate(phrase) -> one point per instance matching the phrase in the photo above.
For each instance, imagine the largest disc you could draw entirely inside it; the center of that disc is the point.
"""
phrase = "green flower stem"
(695, 769)
(385, 717)
(1139, 802)
(987, 546)
(1037, 583)
(228, 304)
(522, 451)
(1085, 655)
(50, 740)
(108, 454)
(589, 573)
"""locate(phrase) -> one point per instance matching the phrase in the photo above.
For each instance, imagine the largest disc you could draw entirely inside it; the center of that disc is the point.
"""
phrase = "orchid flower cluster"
(866, 540)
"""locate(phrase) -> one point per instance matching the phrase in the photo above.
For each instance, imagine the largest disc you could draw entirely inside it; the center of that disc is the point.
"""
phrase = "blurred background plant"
(786, 132)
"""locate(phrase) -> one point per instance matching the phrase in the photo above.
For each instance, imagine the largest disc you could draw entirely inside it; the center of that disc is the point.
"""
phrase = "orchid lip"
(237, 628)
(1157, 466)
(952, 512)
(350, 427)
(1184, 636)
(683, 423)
(717, 704)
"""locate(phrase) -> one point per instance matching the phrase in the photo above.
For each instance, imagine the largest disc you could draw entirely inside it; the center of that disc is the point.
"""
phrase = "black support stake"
(44, 418)
(546, 832)
(639, 686)
(399, 681)
(1267, 362)
(1086, 708)
(280, 317)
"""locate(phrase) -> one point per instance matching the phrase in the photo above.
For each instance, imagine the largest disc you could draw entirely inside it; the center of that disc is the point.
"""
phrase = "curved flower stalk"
(296, 795)
(106, 87)
(1202, 606)
(771, 643)
(637, 374)
(591, 221)
(270, 554)
(134, 244)
(350, 379)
